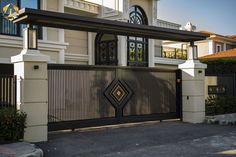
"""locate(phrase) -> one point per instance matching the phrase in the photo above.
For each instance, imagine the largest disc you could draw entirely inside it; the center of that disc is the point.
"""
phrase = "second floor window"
(137, 47)
(8, 27)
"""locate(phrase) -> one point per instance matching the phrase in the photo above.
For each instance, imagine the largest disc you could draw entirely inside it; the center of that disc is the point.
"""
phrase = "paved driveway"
(166, 139)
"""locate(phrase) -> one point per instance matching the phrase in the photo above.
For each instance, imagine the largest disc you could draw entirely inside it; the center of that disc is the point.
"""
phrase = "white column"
(224, 47)
(193, 77)
(61, 34)
(151, 52)
(122, 50)
(90, 48)
(211, 47)
(151, 42)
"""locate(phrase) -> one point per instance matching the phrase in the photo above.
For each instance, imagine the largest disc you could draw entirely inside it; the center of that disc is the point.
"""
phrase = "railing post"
(30, 66)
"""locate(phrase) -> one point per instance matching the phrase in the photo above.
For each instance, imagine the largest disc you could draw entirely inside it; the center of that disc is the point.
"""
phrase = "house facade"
(118, 34)
(78, 47)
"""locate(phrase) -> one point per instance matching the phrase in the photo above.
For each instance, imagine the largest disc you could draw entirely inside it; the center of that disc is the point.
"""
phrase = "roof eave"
(90, 24)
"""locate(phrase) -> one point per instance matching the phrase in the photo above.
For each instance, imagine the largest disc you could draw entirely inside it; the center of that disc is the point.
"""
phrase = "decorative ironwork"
(118, 93)
(137, 47)
(106, 49)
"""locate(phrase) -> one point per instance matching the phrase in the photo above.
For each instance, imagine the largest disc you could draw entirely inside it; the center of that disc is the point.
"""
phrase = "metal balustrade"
(167, 52)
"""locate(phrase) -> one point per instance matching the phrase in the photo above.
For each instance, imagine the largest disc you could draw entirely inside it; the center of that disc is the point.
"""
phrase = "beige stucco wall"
(52, 33)
(53, 55)
(78, 42)
(203, 48)
(7, 52)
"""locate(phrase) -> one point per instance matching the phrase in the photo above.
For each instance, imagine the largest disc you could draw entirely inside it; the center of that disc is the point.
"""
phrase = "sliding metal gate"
(82, 96)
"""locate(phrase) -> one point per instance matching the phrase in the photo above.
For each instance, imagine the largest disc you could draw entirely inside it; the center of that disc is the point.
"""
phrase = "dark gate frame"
(91, 24)
(119, 118)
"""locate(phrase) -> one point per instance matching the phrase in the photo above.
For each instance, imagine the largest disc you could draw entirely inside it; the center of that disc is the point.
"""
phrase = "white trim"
(16, 42)
(211, 47)
(5, 60)
(76, 57)
(82, 5)
(168, 61)
(110, 11)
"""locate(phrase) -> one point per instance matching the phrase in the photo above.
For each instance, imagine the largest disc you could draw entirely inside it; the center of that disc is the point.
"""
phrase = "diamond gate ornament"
(118, 93)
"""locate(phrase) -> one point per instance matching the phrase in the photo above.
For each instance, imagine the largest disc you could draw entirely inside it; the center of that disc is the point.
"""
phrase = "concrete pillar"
(193, 77)
(30, 66)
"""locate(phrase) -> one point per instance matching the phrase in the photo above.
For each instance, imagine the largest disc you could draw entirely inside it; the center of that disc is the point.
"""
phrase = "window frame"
(137, 10)
(97, 50)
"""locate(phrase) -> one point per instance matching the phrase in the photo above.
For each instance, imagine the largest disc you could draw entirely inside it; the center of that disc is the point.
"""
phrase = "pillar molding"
(193, 80)
(30, 66)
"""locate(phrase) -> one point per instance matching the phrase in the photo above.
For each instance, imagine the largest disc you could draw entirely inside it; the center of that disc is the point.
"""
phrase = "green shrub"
(12, 124)
(220, 105)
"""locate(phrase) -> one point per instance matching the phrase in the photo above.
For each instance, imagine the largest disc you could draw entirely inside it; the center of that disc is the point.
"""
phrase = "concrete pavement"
(153, 139)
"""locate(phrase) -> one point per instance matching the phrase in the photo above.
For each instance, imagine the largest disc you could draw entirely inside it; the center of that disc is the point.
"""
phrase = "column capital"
(28, 55)
(192, 64)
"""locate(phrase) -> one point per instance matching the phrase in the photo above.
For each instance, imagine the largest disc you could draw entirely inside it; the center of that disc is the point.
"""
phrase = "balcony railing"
(8, 27)
(167, 52)
(83, 6)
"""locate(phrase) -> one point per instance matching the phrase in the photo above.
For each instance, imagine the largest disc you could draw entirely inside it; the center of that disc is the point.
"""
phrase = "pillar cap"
(27, 55)
(192, 64)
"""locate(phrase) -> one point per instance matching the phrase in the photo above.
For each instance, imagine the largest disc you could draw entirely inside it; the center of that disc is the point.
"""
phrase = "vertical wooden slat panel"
(7, 91)
(78, 93)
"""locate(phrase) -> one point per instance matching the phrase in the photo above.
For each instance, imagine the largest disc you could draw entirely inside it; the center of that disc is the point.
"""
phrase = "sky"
(218, 16)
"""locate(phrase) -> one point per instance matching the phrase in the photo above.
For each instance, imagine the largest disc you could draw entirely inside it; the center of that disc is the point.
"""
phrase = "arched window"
(137, 46)
(106, 49)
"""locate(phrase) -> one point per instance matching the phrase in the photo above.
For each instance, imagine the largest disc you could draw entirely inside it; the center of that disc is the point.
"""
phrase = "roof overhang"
(91, 24)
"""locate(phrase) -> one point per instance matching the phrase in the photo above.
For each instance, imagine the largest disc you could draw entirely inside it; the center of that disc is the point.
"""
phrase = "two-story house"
(78, 47)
